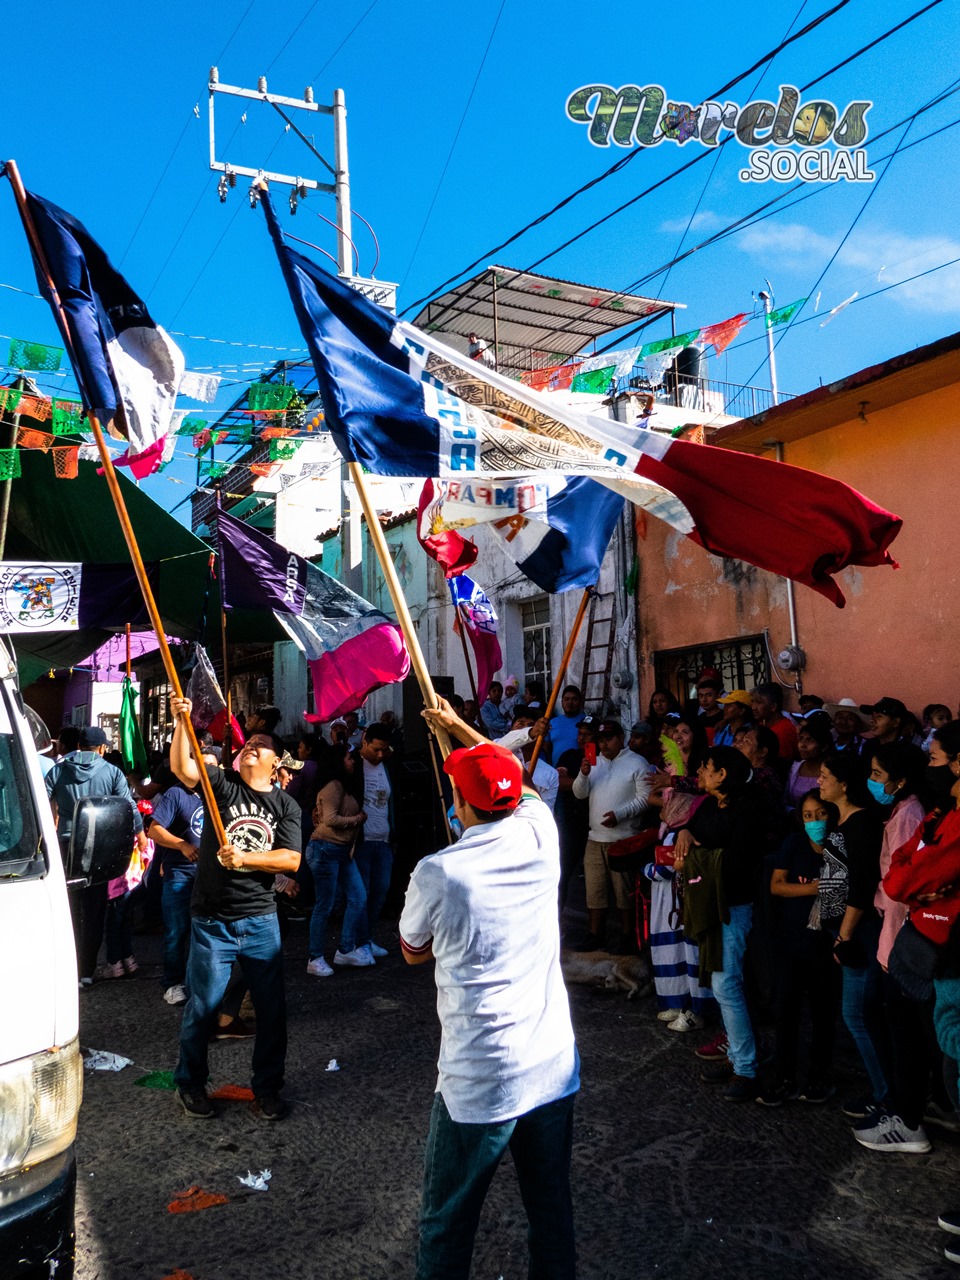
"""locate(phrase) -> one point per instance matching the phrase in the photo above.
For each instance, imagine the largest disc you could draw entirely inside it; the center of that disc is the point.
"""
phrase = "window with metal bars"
(535, 625)
(742, 664)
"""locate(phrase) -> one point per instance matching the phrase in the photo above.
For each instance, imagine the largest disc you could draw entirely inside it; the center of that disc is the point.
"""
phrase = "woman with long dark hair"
(848, 884)
(338, 821)
(730, 820)
(921, 870)
(803, 959)
(814, 741)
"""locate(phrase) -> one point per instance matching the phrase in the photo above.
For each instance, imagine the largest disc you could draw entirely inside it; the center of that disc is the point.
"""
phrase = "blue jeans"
(863, 1014)
(175, 905)
(374, 862)
(331, 864)
(460, 1162)
(119, 940)
(254, 943)
(728, 990)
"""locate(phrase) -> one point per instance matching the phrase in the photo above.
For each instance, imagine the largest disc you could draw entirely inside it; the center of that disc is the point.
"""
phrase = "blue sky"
(93, 114)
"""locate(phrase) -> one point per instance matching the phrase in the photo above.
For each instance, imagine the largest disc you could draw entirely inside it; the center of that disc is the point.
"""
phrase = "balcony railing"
(704, 395)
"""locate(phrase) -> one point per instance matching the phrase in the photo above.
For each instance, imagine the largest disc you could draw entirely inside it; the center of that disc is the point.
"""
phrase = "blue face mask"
(879, 794)
(816, 830)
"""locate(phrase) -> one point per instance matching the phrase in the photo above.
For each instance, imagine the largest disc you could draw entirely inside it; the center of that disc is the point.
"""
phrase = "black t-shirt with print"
(255, 821)
(851, 865)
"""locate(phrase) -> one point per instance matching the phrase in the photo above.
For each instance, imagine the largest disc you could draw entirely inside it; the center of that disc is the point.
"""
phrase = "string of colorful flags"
(596, 373)
(271, 408)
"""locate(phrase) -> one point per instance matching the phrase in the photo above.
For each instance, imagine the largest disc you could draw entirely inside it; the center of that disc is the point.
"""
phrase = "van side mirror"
(101, 841)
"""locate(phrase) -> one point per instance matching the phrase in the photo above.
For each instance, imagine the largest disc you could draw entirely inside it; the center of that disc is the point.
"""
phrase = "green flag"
(596, 380)
(131, 740)
(667, 344)
(783, 314)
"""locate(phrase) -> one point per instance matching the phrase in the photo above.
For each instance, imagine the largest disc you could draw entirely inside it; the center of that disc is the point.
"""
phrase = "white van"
(41, 1071)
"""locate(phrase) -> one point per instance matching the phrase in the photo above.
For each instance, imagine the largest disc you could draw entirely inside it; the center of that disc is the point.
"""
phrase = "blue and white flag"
(475, 610)
(403, 404)
(128, 369)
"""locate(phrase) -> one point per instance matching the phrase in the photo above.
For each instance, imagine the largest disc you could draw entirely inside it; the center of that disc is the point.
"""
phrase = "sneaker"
(378, 953)
(319, 968)
(779, 1093)
(716, 1073)
(235, 1029)
(816, 1091)
(687, 1021)
(868, 1122)
(130, 965)
(714, 1050)
(113, 970)
(891, 1134)
(359, 957)
(950, 1222)
(175, 995)
(668, 1015)
(268, 1106)
(196, 1104)
(859, 1108)
(941, 1117)
(741, 1089)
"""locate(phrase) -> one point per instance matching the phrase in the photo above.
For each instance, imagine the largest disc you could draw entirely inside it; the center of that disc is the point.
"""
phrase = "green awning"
(75, 520)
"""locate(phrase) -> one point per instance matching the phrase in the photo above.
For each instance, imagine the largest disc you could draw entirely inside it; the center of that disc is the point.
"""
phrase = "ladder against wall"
(598, 652)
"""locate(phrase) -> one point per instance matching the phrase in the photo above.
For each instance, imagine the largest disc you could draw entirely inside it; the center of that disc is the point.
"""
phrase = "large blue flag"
(402, 403)
(127, 366)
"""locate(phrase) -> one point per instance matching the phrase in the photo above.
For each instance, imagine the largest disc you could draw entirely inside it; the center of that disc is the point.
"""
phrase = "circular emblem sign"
(37, 597)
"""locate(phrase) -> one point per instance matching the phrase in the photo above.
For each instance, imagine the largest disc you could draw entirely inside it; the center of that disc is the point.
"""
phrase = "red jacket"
(918, 868)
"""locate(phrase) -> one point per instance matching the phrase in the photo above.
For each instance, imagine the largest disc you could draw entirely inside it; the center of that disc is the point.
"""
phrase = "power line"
(453, 144)
(292, 34)
(629, 157)
(662, 286)
(369, 9)
(236, 29)
(153, 194)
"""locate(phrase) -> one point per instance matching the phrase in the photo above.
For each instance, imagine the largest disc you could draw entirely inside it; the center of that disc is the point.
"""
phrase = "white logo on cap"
(504, 784)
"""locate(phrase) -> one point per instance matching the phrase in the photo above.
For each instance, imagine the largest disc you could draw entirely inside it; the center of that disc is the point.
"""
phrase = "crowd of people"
(788, 872)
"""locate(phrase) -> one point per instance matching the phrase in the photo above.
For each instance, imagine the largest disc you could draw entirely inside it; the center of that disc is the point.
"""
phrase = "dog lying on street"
(601, 969)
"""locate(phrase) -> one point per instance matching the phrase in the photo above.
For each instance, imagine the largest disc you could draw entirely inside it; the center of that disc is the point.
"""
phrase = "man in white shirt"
(529, 724)
(618, 788)
(485, 910)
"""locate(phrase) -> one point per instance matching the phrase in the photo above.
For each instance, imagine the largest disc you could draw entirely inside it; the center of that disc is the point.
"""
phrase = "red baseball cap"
(487, 776)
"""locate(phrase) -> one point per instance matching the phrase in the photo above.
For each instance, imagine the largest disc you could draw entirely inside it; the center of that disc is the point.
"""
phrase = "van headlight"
(39, 1102)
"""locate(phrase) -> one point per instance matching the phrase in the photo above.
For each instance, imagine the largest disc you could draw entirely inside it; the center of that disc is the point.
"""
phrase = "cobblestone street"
(669, 1180)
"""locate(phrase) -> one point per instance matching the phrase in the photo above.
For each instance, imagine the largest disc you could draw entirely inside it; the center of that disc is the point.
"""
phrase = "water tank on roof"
(685, 378)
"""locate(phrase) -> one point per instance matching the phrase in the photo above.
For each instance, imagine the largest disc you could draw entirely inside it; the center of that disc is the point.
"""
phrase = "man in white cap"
(486, 910)
(849, 723)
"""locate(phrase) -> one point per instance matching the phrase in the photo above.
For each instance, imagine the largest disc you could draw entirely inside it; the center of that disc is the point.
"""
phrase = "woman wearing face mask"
(848, 884)
(923, 875)
(804, 960)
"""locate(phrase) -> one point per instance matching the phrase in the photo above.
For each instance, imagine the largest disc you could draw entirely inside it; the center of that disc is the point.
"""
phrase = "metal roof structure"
(549, 318)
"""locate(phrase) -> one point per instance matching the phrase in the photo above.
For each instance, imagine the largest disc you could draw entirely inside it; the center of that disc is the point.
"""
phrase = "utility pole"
(767, 300)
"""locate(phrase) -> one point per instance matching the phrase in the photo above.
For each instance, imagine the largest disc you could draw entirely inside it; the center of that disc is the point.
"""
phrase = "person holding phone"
(573, 815)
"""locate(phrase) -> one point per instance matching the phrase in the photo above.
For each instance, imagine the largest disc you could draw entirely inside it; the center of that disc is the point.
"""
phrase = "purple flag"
(352, 648)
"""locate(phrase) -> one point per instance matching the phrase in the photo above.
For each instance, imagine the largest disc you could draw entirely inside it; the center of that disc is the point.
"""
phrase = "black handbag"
(912, 963)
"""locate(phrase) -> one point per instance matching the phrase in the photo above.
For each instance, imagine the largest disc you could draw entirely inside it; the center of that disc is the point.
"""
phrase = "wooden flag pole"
(113, 484)
(389, 571)
(129, 675)
(561, 674)
(227, 754)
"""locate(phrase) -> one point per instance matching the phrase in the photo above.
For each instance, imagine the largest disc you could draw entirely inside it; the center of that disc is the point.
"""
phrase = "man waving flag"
(401, 403)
